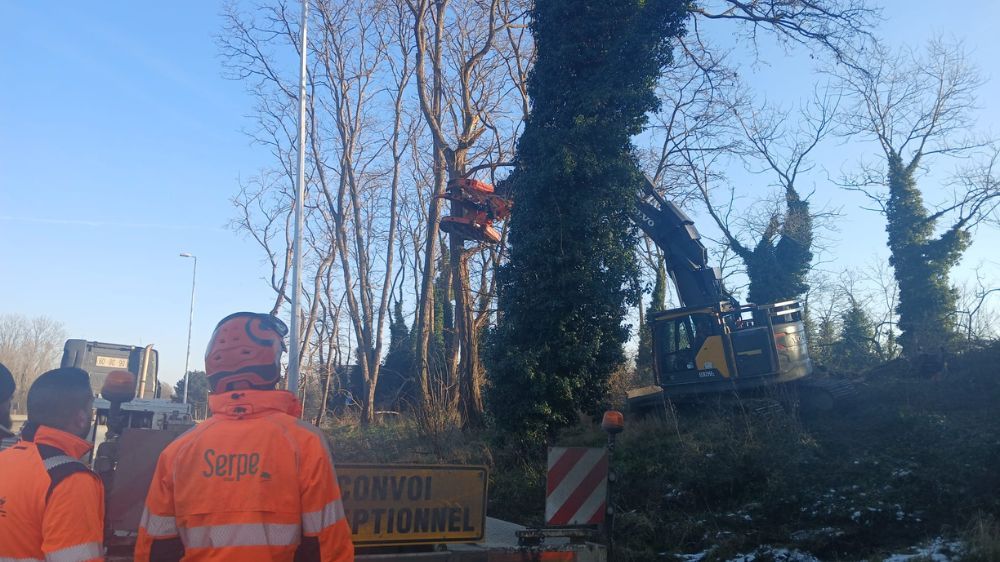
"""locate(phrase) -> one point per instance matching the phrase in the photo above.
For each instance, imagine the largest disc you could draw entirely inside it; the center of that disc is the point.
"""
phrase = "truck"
(134, 423)
(99, 359)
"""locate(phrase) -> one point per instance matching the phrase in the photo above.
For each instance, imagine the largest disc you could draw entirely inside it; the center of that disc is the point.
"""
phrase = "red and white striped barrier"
(576, 486)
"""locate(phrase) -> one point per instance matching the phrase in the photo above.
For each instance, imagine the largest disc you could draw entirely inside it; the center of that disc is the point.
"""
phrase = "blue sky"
(785, 78)
(121, 145)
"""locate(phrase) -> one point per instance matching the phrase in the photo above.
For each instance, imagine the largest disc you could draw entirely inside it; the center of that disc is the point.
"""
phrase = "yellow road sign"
(396, 504)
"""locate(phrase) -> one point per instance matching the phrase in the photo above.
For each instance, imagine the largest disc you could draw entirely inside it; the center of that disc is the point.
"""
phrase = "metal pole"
(609, 527)
(187, 356)
(293, 354)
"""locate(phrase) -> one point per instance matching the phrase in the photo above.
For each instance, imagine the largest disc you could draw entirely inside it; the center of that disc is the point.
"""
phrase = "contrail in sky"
(98, 224)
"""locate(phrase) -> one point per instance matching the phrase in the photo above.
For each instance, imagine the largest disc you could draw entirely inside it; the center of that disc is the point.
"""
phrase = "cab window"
(676, 342)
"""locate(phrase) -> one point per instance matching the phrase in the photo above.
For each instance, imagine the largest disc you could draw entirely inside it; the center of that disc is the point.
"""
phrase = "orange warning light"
(119, 386)
(613, 422)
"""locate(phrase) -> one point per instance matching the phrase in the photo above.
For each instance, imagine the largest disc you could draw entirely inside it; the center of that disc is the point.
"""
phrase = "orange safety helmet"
(245, 352)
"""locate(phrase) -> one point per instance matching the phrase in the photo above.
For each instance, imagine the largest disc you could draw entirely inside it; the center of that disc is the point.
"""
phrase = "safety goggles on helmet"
(275, 324)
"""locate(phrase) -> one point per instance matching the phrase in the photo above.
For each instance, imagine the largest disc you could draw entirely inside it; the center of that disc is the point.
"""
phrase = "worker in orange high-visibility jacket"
(51, 505)
(253, 482)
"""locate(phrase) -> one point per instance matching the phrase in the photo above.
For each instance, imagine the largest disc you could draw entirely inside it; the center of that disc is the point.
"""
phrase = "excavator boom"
(697, 283)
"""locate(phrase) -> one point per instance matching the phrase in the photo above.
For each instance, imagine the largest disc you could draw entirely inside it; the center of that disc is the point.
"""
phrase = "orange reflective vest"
(252, 483)
(51, 505)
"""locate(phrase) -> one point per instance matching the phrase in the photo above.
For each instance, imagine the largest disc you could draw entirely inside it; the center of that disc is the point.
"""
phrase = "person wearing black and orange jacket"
(253, 482)
(7, 388)
(51, 505)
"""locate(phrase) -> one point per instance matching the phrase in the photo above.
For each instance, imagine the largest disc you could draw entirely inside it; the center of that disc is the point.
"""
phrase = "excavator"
(709, 345)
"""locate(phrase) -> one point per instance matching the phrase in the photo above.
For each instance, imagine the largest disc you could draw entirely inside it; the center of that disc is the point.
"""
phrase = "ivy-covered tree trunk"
(778, 270)
(921, 262)
(564, 292)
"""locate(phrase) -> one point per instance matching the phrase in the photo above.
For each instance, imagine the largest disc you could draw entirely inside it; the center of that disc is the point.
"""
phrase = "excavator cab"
(708, 350)
(679, 340)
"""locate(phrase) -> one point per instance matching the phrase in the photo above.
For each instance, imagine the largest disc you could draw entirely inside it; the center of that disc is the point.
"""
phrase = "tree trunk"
(470, 369)
(426, 314)
(464, 358)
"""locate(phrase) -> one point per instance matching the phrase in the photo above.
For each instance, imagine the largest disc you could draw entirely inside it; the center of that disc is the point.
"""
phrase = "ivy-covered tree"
(779, 263)
(443, 326)
(921, 262)
(917, 107)
(564, 293)
(779, 260)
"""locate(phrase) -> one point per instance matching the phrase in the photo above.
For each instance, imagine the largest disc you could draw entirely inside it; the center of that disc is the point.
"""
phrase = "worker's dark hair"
(57, 396)
(7, 385)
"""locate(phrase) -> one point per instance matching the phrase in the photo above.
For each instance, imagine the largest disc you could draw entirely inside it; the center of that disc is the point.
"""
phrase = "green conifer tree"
(854, 349)
(644, 359)
(398, 378)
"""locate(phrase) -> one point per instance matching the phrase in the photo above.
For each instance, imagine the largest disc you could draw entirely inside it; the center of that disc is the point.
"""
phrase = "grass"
(982, 539)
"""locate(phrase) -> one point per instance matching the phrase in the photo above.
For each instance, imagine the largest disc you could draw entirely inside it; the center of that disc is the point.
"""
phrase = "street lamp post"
(187, 356)
(300, 192)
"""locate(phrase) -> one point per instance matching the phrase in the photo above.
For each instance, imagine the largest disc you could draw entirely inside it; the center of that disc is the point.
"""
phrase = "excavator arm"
(697, 283)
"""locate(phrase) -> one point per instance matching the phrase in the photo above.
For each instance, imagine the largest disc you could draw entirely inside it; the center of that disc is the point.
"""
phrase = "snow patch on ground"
(776, 554)
(696, 557)
(768, 553)
(939, 550)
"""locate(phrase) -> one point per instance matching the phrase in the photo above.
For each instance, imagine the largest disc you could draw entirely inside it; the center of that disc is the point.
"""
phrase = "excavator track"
(822, 394)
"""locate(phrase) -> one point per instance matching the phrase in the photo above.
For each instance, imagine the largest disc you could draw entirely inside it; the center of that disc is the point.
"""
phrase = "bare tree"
(836, 26)
(459, 77)
(29, 347)
(265, 214)
(699, 94)
(358, 138)
(977, 308)
(709, 121)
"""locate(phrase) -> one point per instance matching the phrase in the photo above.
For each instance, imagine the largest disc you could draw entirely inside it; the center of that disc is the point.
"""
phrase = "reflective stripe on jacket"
(252, 483)
(51, 506)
